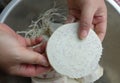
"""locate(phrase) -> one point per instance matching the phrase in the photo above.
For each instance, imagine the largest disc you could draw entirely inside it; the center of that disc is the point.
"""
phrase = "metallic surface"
(19, 14)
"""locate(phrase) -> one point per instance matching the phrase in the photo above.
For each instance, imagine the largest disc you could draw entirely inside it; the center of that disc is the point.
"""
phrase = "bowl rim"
(13, 3)
(8, 9)
(115, 5)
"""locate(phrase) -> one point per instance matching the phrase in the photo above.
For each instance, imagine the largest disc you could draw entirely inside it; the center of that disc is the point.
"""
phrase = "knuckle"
(85, 24)
(36, 59)
(85, 21)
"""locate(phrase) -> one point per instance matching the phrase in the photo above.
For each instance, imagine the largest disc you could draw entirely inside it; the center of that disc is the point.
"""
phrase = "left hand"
(17, 57)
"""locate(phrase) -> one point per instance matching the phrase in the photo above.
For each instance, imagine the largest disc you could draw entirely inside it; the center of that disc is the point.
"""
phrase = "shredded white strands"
(42, 25)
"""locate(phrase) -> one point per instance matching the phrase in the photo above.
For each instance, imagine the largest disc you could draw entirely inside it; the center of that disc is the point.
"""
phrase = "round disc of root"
(71, 56)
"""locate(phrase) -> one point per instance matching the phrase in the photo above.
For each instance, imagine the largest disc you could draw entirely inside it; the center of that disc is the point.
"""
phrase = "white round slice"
(94, 76)
(71, 56)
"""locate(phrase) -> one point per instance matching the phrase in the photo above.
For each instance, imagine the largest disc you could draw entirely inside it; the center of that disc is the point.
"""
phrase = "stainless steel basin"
(19, 14)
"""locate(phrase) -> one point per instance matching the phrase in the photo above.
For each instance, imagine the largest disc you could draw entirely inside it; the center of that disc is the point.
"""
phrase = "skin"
(17, 57)
(90, 13)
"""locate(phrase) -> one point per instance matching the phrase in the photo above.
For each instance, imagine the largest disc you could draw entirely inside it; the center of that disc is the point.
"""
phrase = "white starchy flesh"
(97, 74)
(73, 57)
(62, 79)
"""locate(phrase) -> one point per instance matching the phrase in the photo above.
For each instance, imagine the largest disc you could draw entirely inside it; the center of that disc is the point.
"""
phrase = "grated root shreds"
(41, 26)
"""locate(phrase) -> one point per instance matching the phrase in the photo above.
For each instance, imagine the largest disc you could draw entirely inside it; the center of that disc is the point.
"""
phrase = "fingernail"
(83, 34)
(44, 63)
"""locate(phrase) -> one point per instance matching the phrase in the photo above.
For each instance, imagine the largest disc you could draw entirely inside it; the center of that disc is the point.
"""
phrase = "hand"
(90, 13)
(17, 56)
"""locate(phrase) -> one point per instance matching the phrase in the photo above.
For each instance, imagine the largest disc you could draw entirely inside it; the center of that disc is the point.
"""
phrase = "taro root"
(71, 56)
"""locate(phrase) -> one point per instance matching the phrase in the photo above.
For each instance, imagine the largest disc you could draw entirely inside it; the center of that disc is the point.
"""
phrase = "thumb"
(31, 57)
(86, 18)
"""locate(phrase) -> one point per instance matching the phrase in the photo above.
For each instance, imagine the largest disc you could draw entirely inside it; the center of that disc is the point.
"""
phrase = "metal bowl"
(19, 13)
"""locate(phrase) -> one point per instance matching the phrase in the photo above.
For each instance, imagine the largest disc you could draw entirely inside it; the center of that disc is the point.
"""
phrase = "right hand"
(90, 13)
(17, 57)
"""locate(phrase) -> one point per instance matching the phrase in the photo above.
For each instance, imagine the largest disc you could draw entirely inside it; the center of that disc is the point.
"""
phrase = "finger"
(34, 41)
(100, 26)
(31, 57)
(41, 49)
(75, 13)
(7, 29)
(28, 70)
(86, 19)
(70, 19)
